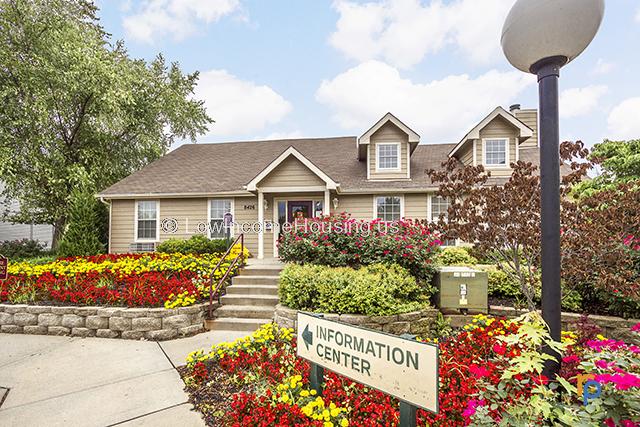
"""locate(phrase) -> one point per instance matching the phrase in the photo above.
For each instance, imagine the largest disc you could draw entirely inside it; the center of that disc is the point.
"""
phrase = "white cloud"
(580, 100)
(239, 107)
(178, 19)
(403, 32)
(296, 134)
(623, 120)
(603, 67)
(440, 110)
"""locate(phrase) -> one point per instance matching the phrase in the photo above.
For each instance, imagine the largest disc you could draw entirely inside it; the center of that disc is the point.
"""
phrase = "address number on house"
(404, 368)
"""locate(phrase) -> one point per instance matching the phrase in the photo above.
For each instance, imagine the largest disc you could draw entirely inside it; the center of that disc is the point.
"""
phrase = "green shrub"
(197, 244)
(377, 289)
(21, 249)
(501, 284)
(82, 236)
(455, 256)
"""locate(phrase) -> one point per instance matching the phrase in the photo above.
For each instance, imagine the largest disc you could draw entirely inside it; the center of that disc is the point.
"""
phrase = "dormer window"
(496, 152)
(388, 157)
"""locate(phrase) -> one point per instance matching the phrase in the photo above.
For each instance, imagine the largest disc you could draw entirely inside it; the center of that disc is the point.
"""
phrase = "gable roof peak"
(474, 133)
(389, 117)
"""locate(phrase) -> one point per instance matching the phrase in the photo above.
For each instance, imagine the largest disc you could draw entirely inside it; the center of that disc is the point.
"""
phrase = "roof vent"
(515, 107)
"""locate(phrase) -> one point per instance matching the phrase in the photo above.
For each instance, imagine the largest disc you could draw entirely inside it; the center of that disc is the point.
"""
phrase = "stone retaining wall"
(416, 322)
(156, 324)
(612, 327)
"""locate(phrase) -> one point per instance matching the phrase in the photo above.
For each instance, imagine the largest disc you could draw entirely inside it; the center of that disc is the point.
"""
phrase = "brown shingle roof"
(226, 167)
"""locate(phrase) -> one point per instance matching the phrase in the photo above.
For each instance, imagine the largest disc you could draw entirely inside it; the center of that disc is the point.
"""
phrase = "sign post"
(4, 267)
(399, 366)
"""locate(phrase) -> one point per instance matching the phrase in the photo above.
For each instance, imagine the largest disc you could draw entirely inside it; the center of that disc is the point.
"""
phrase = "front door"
(299, 210)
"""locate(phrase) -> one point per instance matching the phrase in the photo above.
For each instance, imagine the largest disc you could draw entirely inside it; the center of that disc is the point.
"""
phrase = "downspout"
(101, 198)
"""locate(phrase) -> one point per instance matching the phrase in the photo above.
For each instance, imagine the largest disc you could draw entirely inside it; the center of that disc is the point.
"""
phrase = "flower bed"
(340, 241)
(490, 373)
(134, 280)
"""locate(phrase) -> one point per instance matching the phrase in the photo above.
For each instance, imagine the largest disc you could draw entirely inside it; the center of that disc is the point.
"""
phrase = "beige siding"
(122, 228)
(466, 153)
(388, 133)
(529, 118)
(359, 206)
(291, 173)
(245, 212)
(498, 128)
(415, 206)
(188, 212)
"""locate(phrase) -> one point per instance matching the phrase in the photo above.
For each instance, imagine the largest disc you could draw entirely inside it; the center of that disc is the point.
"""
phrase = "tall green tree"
(617, 162)
(73, 98)
(82, 236)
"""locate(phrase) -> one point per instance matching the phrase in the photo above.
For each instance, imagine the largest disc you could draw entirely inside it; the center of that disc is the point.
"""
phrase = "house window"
(389, 208)
(388, 156)
(217, 209)
(439, 206)
(495, 152)
(147, 220)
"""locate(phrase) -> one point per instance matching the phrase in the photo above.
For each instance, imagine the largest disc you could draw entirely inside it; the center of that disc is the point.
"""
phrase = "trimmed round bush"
(455, 256)
(377, 289)
(197, 244)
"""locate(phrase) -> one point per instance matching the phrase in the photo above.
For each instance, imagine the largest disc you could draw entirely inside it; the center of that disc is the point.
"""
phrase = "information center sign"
(404, 368)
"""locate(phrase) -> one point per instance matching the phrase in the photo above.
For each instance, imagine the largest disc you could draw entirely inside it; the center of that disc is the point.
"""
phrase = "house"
(380, 174)
(16, 231)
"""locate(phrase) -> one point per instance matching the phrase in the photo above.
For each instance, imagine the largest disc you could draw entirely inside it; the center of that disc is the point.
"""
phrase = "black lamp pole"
(548, 72)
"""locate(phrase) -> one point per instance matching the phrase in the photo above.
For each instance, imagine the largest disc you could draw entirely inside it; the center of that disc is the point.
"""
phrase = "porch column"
(327, 200)
(261, 222)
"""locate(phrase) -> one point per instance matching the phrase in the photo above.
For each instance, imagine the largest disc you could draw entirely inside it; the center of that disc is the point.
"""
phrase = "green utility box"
(462, 289)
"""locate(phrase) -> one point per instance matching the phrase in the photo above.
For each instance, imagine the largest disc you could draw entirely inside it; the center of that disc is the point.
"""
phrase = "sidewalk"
(64, 381)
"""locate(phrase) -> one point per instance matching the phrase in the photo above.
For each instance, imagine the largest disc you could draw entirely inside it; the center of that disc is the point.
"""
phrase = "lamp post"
(539, 37)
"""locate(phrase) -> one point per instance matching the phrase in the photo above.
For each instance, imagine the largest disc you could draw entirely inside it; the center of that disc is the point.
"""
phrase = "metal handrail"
(226, 274)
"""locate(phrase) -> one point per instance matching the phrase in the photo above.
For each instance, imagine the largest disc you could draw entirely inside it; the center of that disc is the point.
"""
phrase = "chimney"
(513, 108)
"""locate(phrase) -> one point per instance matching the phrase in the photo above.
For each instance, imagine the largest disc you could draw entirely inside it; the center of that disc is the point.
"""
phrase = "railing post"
(407, 410)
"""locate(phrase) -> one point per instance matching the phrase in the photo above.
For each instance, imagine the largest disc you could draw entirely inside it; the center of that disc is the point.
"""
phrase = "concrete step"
(255, 280)
(253, 300)
(252, 290)
(245, 311)
(260, 270)
(237, 324)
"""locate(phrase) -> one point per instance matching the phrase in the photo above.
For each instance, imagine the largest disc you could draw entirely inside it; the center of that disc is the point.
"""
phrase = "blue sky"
(309, 68)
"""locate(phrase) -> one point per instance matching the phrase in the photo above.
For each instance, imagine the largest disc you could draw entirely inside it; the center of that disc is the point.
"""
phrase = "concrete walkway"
(64, 381)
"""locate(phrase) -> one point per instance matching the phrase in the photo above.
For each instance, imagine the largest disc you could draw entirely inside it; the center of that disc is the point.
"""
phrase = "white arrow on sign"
(406, 369)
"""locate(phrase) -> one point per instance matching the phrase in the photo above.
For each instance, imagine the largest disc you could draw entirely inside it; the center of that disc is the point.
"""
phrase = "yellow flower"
(344, 423)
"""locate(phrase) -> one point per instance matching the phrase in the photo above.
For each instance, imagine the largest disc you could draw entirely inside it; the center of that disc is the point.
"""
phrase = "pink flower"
(472, 406)
(621, 381)
(603, 364)
(571, 359)
(636, 327)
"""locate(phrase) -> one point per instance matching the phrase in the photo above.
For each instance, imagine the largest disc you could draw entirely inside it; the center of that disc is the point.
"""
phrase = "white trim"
(375, 204)
(368, 162)
(429, 208)
(525, 131)
(408, 162)
(366, 137)
(326, 208)
(398, 157)
(110, 216)
(261, 222)
(311, 188)
(389, 190)
(475, 152)
(135, 222)
(233, 212)
(252, 185)
(506, 158)
(517, 151)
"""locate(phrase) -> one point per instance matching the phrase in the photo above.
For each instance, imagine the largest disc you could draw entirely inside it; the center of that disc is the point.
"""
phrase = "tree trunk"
(58, 232)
